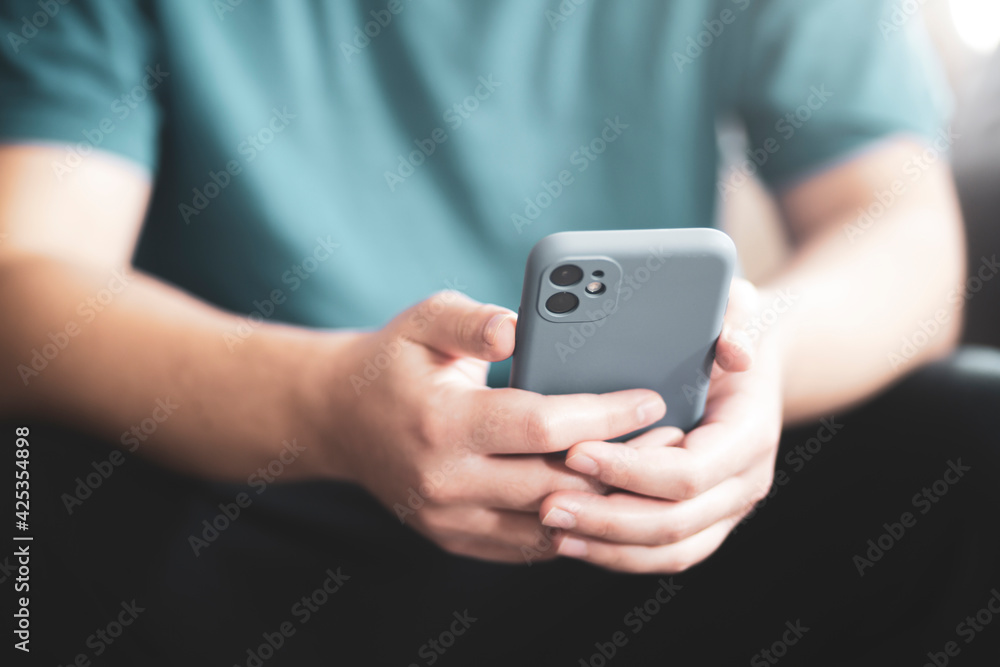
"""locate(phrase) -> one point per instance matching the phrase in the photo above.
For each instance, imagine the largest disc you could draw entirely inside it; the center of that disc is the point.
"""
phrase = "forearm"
(147, 366)
(864, 304)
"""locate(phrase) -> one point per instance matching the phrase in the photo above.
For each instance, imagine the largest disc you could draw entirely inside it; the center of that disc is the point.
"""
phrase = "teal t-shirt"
(358, 156)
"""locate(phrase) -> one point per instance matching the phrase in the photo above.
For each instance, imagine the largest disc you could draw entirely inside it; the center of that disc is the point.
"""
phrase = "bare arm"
(422, 437)
(826, 328)
(120, 341)
(861, 286)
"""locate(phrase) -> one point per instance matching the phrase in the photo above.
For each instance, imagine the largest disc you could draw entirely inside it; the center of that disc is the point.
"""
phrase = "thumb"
(455, 325)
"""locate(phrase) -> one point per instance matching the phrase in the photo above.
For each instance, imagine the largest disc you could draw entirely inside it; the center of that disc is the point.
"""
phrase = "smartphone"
(604, 311)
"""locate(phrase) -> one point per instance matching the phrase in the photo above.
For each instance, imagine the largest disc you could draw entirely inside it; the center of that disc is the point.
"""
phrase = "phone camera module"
(561, 303)
(566, 275)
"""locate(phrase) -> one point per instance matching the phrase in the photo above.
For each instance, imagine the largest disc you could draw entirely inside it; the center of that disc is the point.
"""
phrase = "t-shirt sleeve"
(825, 78)
(82, 73)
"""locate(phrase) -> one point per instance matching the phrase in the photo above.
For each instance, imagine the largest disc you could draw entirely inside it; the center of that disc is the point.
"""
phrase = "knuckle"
(426, 427)
(600, 526)
(692, 481)
(619, 473)
(539, 430)
(435, 488)
(676, 529)
(618, 422)
(468, 326)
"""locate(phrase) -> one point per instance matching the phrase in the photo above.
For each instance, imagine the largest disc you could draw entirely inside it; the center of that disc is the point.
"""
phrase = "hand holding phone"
(671, 497)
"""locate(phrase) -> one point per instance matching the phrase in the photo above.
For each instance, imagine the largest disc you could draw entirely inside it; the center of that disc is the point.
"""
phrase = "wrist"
(315, 403)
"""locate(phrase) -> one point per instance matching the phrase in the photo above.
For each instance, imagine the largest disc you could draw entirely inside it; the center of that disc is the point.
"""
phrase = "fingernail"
(651, 410)
(582, 463)
(559, 518)
(572, 547)
(493, 327)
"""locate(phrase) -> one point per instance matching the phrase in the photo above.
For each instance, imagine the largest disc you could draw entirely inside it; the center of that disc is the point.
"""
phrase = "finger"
(710, 454)
(666, 559)
(523, 422)
(455, 325)
(734, 350)
(665, 436)
(521, 483)
(515, 536)
(630, 519)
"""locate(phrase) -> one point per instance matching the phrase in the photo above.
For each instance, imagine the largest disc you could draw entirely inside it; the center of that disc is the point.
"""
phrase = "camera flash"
(595, 287)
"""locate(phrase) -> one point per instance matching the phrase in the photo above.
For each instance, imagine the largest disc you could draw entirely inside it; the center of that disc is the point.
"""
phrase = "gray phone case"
(654, 326)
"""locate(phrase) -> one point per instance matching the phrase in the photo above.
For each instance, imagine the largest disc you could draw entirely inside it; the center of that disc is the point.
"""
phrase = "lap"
(872, 547)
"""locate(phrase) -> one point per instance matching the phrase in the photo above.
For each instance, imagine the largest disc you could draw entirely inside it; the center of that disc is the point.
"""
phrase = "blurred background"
(967, 36)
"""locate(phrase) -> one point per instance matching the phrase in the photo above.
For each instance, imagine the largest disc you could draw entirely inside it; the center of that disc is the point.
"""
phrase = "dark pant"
(879, 545)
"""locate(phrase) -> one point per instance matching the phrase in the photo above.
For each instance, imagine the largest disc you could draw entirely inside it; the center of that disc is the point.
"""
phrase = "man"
(296, 172)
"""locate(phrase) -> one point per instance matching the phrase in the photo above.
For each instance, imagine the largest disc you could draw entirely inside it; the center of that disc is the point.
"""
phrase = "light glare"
(977, 23)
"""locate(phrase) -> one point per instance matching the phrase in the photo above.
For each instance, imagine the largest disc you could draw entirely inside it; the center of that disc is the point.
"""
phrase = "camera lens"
(561, 303)
(566, 275)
